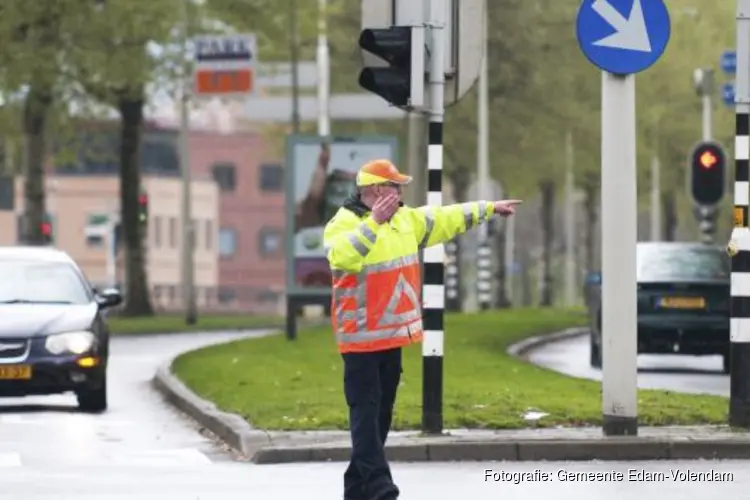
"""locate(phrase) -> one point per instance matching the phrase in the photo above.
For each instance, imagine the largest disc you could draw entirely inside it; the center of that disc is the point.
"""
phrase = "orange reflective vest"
(376, 302)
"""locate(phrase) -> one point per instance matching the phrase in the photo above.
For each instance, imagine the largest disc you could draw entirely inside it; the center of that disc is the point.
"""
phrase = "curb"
(555, 450)
(524, 347)
(272, 447)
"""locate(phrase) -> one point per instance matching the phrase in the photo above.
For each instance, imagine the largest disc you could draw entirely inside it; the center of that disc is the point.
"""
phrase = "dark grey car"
(683, 301)
(53, 333)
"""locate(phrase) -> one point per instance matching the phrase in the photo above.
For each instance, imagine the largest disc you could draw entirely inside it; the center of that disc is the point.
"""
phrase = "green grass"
(277, 384)
(176, 323)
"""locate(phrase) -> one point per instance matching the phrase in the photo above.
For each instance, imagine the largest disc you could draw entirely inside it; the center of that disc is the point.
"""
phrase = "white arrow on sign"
(630, 34)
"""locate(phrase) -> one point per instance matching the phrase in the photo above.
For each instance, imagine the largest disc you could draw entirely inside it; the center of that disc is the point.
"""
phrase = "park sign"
(623, 37)
(225, 65)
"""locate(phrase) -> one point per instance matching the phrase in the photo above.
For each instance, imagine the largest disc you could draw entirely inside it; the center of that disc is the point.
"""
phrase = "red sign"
(223, 81)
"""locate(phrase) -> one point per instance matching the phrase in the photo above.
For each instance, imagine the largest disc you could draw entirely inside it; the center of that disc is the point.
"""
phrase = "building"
(80, 205)
(251, 212)
(239, 166)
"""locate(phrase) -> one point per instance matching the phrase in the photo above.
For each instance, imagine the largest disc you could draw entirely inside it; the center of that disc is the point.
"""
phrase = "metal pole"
(324, 72)
(111, 270)
(570, 262)
(510, 258)
(707, 102)
(619, 235)
(294, 59)
(739, 377)
(416, 135)
(188, 284)
(655, 199)
(434, 288)
(484, 253)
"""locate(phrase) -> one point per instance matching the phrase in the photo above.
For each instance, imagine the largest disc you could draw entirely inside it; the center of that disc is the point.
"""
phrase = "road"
(692, 374)
(143, 449)
(138, 429)
(446, 481)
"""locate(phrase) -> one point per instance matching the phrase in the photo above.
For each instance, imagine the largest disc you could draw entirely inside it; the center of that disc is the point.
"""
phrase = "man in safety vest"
(372, 244)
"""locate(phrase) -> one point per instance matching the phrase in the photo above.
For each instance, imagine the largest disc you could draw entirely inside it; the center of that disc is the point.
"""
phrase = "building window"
(225, 175)
(227, 242)
(271, 177)
(157, 232)
(226, 295)
(172, 232)
(209, 236)
(269, 241)
(97, 227)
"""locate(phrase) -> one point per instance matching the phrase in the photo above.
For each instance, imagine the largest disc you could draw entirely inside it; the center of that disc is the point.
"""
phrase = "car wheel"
(726, 363)
(595, 353)
(93, 400)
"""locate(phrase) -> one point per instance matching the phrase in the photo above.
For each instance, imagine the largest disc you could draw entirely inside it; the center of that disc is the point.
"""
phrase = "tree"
(113, 64)
(30, 35)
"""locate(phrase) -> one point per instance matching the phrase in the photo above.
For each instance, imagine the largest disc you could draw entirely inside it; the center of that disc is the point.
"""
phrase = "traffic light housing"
(707, 173)
(401, 81)
(143, 208)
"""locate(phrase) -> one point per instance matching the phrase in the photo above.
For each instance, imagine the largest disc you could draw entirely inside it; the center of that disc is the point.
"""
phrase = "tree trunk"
(35, 113)
(137, 301)
(669, 209)
(547, 191)
(590, 206)
(499, 231)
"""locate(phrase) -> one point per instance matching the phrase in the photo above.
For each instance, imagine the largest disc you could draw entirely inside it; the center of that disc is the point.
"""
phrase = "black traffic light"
(143, 208)
(707, 173)
(401, 83)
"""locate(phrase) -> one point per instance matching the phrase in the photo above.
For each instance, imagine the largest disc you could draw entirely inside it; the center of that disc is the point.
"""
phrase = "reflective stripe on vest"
(357, 243)
(468, 210)
(353, 308)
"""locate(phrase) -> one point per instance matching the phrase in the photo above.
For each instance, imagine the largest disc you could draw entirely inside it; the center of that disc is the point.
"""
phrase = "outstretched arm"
(435, 225)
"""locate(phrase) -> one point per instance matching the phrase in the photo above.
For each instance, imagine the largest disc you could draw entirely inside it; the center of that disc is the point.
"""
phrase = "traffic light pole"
(434, 257)
(187, 263)
(739, 378)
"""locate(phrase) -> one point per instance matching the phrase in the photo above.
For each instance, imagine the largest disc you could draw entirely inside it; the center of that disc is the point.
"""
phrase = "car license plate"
(15, 372)
(683, 302)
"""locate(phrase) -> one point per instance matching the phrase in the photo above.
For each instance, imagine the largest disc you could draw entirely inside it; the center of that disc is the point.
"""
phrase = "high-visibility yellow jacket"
(376, 301)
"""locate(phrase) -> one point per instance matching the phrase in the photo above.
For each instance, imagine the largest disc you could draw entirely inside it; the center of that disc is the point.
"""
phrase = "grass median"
(172, 323)
(277, 384)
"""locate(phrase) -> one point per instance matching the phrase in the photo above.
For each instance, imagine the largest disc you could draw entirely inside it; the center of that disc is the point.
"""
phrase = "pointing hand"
(506, 207)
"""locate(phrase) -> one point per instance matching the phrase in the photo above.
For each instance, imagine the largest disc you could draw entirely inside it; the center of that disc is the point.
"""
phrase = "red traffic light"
(143, 199)
(46, 229)
(708, 160)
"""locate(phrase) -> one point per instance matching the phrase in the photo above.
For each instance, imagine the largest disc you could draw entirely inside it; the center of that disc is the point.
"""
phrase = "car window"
(29, 281)
(682, 263)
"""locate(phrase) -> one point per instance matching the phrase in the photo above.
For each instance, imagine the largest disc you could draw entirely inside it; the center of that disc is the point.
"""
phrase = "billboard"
(319, 177)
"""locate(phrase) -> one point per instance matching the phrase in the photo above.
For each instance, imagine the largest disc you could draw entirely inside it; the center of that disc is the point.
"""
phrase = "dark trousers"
(370, 383)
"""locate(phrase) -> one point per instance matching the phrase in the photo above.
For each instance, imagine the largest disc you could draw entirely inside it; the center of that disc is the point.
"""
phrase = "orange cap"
(380, 172)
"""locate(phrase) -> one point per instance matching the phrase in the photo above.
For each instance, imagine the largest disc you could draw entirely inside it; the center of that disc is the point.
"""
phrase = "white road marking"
(10, 459)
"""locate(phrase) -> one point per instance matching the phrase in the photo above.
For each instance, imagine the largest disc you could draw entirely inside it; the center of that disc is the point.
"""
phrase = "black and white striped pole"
(739, 246)
(453, 297)
(484, 254)
(434, 257)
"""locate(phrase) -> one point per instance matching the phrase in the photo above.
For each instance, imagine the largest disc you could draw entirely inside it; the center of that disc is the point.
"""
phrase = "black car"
(683, 301)
(53, 336)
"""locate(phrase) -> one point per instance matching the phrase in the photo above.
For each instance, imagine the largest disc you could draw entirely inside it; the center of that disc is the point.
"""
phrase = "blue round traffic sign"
(623, 36)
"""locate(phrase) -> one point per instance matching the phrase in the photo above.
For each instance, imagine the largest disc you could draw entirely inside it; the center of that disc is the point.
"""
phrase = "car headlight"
(72, 342)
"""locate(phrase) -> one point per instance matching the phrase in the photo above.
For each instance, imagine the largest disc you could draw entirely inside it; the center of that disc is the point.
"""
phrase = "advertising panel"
(319, 179)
